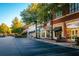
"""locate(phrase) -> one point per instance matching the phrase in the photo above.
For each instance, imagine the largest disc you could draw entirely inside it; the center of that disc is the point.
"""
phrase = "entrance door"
(58, 31)
(74, 34)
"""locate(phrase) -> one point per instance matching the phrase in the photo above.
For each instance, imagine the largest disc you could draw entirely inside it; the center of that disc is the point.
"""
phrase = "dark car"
(2, 35)
(20, 35)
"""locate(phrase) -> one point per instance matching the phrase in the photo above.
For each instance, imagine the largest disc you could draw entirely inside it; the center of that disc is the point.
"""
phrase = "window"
(58, 14)
(58, 31)
(78, 5)
(72, 32)
(76, 32)
(74, 7)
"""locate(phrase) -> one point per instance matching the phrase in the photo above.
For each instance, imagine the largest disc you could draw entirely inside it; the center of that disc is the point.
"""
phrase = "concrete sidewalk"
(66, 44)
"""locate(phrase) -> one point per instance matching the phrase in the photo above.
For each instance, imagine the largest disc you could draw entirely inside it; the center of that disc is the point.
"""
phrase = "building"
(32, 30)
(45, 31)
(65, 22)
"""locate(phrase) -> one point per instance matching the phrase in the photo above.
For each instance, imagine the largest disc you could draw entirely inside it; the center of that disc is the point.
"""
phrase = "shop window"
(76, 32)
(55, 34)
(43, 34)
(48, 33)
(72, 32)
(58, 31)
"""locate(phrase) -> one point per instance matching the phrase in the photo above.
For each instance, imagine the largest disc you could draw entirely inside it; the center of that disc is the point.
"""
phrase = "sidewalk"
(65, 44)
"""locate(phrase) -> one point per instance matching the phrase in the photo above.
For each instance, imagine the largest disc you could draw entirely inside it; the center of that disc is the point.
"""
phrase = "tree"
(29, 16)
(17, 26)
(41, 12)
(4, 29)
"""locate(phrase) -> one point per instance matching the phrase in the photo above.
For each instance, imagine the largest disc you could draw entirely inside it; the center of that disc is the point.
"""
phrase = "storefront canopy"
(73, 24)
(57, 29)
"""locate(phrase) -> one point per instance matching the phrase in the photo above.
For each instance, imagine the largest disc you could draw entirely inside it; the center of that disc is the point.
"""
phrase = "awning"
(57, 29)
(34, 31)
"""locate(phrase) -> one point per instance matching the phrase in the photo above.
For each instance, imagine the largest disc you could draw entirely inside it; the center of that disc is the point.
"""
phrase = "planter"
(61, 39)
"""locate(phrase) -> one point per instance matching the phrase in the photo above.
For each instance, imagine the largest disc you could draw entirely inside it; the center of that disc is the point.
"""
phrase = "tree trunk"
(51, 17)
(51, 32)
(36, 28)
(39, 32)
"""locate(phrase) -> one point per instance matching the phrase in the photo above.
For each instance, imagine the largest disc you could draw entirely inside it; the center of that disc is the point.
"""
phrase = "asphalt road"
(10, 46)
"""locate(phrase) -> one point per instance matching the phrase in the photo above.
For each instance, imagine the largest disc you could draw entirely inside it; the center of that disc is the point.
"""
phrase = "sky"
(8, 11)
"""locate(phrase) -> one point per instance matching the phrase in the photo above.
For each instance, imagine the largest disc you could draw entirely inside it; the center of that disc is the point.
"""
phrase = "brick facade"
(63, 20)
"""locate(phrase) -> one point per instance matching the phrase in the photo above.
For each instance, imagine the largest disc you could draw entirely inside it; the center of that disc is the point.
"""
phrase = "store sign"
(77, 24)
(73, 24)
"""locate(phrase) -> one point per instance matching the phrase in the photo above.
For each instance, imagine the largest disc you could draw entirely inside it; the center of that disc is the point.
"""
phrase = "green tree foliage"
(39, 12)
(17, 26)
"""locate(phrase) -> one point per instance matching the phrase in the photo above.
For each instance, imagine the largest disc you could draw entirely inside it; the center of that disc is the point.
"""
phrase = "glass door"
(74, 34)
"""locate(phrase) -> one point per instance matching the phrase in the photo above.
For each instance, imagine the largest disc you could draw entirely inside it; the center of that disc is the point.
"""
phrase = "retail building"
(66, 22)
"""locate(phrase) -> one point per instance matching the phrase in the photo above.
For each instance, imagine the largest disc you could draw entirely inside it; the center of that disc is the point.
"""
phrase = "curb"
(70, 45)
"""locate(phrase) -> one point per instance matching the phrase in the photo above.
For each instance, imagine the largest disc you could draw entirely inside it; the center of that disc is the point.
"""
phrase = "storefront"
(42, 33)
(67, 27)
(72, 29)
(58, 31)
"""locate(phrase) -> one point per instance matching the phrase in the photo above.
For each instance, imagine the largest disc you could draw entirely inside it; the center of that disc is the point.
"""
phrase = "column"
(65, 30)
(45, 34)
(40, 34)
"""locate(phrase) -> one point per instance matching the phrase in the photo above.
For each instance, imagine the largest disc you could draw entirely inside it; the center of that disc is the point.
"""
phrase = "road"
(10, 46)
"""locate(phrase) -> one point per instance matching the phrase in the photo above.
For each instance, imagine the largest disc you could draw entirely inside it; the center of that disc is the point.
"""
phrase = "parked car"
(2, 35)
